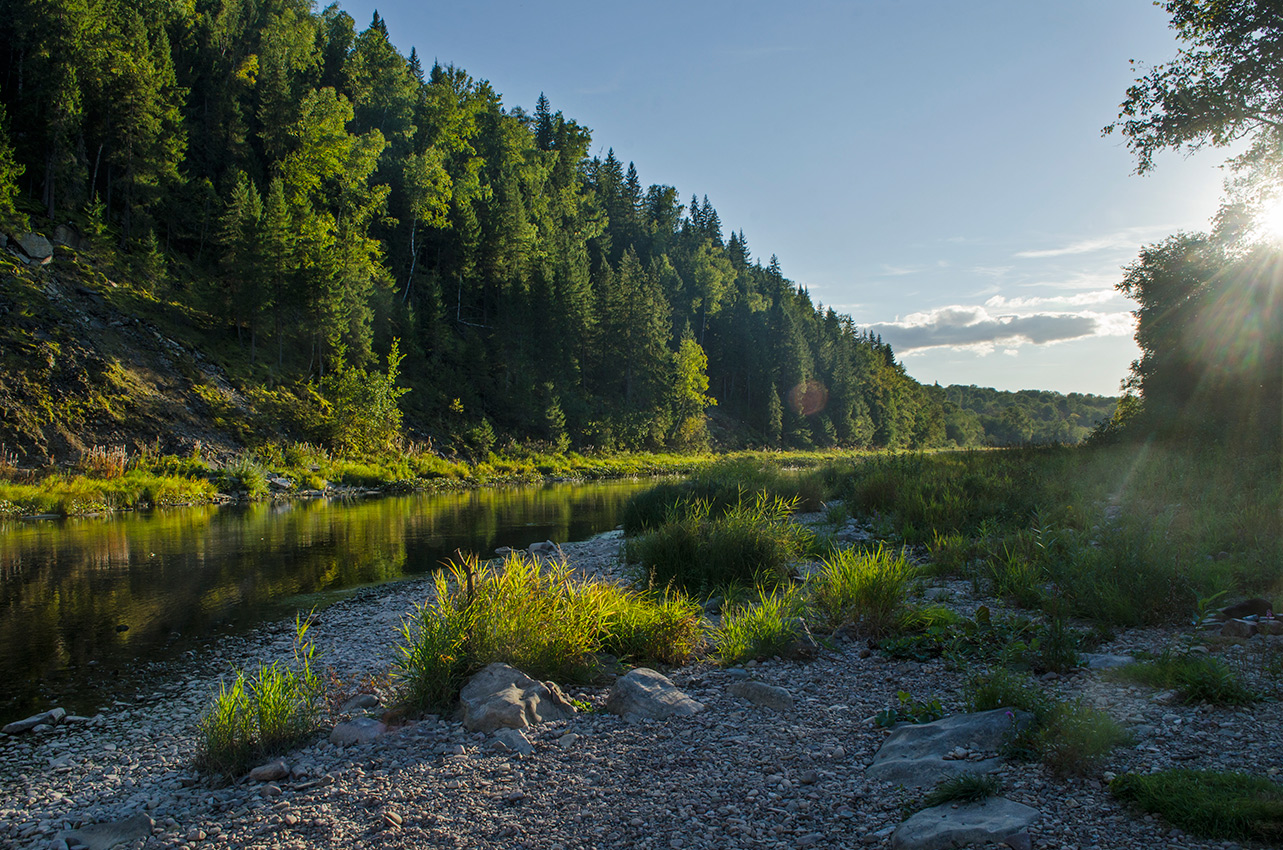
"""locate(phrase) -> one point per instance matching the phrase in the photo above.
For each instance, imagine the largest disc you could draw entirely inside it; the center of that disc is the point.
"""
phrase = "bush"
(1073, 737)
(762, 629)
(1209, 804)
(104, 463)
(537, 618)
(862, 588)
(1001, 688)
(263, 715)
(243, 474)
(1195, 678)
(749, 544)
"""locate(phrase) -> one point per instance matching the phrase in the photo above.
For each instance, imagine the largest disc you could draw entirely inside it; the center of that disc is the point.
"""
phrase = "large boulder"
(502, 696)
(52, 717)
(990, 821)
(36, 246)
(922, 754)
(643, 693)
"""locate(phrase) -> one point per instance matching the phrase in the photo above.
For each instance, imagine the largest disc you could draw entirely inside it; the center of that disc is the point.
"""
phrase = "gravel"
(735, 775)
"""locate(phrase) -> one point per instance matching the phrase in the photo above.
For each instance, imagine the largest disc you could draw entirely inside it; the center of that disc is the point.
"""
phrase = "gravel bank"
(736, 775)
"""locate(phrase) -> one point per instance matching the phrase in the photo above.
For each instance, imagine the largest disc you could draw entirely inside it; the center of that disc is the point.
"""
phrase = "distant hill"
(982, 416)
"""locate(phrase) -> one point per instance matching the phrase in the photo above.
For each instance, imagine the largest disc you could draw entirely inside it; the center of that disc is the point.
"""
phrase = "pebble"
(728, 777)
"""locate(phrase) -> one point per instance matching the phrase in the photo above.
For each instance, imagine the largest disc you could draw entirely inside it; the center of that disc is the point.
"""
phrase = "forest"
(350, 217)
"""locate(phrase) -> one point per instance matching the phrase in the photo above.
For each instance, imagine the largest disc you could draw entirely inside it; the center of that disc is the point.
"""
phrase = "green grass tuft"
(1195, 678)
(967, 788)
(1209, 804)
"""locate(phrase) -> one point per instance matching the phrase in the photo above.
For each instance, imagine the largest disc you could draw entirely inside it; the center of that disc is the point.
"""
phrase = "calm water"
(177, 577)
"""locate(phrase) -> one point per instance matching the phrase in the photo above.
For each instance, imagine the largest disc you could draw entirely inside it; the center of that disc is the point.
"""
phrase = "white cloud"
(976, 329)
(1130, 239)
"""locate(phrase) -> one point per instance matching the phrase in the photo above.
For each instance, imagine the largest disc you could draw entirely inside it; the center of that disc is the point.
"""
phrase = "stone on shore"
(270, 772)
(102, 836)
(501, 695)
(775, 698)
(358, 730)
(922, 754)
(49, 718)
(644, 694)
(989, 821)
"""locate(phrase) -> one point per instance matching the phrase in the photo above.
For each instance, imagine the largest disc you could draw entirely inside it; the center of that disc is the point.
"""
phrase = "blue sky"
(933, 168)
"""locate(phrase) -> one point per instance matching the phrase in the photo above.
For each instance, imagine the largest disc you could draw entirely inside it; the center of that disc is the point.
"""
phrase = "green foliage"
(1012, 641)
(748, 544)
(909, 711)
(536, 617)
(966, 788)
(245, 475)
(864, 589)
(1209, 804)
(761, 628)
(1073, 737)
(1003, 688)
(1195, 678)
(261, 715)
(364, 416)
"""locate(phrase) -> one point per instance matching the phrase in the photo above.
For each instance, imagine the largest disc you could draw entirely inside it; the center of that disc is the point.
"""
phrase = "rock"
(1105, 661)
(36, 247)
(280, 483)
(914, 754)
(643, 693)
(501, 695)
(66, 234)
(360, 702)
(271, 771)
(358, 730)
(513, 741)
(1019, 841)
(46, 718)
(100, 836)
(1270, 627)
(547, 547)
(567, 740)
(503, 551)
(989, 821)
(768, 696)
(1238, 629)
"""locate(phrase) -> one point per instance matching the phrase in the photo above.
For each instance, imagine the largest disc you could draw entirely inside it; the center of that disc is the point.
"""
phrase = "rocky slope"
(736, 774)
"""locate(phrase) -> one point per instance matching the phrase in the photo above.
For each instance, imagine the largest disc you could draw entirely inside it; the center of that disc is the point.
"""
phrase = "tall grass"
(263, 714)
(1209, 804)
(862, 588)
(696, 551)
(536, 617)
(765, 627)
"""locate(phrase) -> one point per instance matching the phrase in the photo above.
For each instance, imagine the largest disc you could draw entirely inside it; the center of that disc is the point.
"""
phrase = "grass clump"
(537, 618)
(1195, 678)
(1209, 804)
(1002, 688)
(965, 788)
(862, 588)
(261, 715)
(768, 626)
(909, 710)
(696, 552)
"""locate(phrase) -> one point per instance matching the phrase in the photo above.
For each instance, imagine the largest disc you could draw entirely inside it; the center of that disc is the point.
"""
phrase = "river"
(85, 603)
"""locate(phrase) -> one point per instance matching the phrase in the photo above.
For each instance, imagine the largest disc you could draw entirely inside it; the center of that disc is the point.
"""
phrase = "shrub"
(1195, 678)
(654, 627)
(864, 588)
(1001, 688)
(262, 715)
(764, 628)
(1209, 804)
(537, 618)
(243, 474)
(104, 463)
(1073, 737)
(749, 544)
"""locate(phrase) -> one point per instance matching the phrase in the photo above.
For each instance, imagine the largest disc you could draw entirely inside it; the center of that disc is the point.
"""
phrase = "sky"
(935, 169)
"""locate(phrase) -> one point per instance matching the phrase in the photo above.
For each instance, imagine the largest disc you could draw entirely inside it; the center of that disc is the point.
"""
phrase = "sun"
(1269, 221)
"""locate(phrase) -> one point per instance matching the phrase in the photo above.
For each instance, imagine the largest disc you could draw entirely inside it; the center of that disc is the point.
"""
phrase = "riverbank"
(736, 774)
(114, 481)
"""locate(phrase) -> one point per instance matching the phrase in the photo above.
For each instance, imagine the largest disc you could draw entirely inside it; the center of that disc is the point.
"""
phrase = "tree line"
(326, 198)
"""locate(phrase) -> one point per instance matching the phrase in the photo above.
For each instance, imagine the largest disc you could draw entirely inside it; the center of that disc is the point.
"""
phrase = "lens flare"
(1269, 221)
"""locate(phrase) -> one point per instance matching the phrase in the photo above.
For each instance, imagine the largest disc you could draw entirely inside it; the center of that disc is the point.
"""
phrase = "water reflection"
(82, 599)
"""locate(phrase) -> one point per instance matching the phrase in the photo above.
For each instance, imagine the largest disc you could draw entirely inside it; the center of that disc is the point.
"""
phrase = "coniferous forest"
(344, 213)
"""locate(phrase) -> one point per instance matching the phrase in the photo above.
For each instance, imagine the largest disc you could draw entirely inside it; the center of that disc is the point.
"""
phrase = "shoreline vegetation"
(113, 480)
